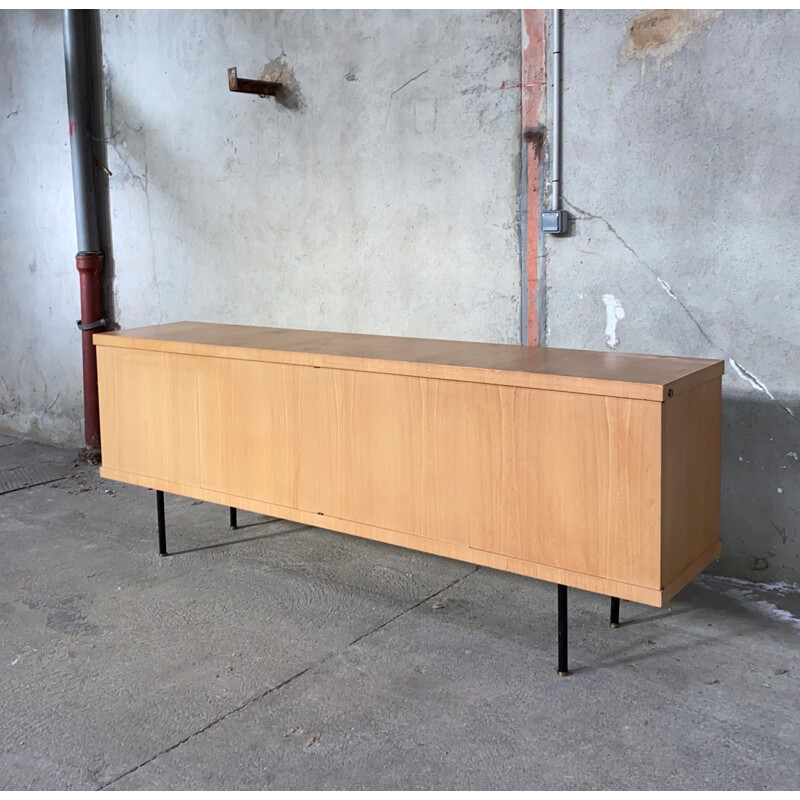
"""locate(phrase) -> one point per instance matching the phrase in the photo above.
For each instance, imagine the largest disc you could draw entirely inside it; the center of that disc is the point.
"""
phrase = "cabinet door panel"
(568, 480)
(404, 454)
(148, 413)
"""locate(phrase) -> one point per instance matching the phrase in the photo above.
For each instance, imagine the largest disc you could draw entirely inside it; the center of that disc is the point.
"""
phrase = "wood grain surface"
(615, 374)
(610, 493)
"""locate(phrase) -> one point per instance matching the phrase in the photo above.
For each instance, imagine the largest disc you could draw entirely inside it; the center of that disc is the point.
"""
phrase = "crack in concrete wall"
(668, 174)
(369, 195)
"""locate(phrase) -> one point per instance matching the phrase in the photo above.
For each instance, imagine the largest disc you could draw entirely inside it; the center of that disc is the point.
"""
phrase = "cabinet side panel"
(691, 424)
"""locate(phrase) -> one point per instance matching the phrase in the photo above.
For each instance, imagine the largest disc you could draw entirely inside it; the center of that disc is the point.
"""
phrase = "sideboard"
(596, 470)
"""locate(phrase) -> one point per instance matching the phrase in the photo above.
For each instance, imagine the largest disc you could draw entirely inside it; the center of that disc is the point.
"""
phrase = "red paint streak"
(532, 84)
(72, 127)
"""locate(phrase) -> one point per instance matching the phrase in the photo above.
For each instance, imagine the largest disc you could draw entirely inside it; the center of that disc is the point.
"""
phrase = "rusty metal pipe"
(84, 99)
(90, 265)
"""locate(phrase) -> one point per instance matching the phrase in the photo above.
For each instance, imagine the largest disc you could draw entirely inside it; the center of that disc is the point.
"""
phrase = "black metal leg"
(234, 525)
(563, 662)
(162, 527)
(615, 612)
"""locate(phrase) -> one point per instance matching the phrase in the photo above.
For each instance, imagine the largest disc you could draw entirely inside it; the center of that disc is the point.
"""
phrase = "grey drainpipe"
(81, 45)
(83, 66)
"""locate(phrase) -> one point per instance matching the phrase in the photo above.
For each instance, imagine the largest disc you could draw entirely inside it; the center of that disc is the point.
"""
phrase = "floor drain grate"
(22, 477)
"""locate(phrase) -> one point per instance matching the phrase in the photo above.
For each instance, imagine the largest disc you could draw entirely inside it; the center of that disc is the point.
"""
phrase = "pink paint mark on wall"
(72, 126)
(531, 85)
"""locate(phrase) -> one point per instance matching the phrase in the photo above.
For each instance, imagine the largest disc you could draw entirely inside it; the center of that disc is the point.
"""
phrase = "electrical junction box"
(554, 221)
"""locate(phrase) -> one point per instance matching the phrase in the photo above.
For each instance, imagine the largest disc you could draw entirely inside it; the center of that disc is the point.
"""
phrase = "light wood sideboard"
(595, 470)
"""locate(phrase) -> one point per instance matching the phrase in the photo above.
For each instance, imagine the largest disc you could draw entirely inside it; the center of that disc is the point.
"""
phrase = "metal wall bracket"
(250, 86)
(90, 326)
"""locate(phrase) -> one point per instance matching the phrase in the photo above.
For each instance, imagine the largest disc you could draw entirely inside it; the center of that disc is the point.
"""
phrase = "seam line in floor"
(286, 682)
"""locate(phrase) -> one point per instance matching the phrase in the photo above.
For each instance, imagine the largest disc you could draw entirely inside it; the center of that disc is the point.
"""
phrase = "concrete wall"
(682, 170)
(40, 346)
(382, 195)
(379, 196)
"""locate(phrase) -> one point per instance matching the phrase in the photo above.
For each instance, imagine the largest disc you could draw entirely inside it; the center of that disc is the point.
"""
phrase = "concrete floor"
(282, 656)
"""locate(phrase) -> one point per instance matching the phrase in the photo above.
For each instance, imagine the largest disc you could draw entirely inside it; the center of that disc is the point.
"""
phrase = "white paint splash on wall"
(750, 378)
(666, 287)
(614, 313)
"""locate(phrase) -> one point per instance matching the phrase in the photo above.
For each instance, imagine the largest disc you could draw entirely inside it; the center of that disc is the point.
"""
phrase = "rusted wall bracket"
(261, 88)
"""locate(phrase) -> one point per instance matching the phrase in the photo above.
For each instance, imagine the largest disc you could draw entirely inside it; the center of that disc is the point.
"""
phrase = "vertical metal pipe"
(556, 198)
(162, 524)
(90, 265)
(82, 63)
(615, 612)
(563, 657)
(81, 29)
(234, 523)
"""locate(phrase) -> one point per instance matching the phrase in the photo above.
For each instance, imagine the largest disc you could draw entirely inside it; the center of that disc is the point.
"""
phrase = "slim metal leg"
(615, 612)
(162, 527)
(234, 525)
(563, 662)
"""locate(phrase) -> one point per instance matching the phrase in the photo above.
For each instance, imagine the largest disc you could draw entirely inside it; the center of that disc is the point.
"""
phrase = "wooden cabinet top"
(641, 377)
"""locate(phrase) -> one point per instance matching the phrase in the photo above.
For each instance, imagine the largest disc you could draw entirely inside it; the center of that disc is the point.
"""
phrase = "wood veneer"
(595, 470)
